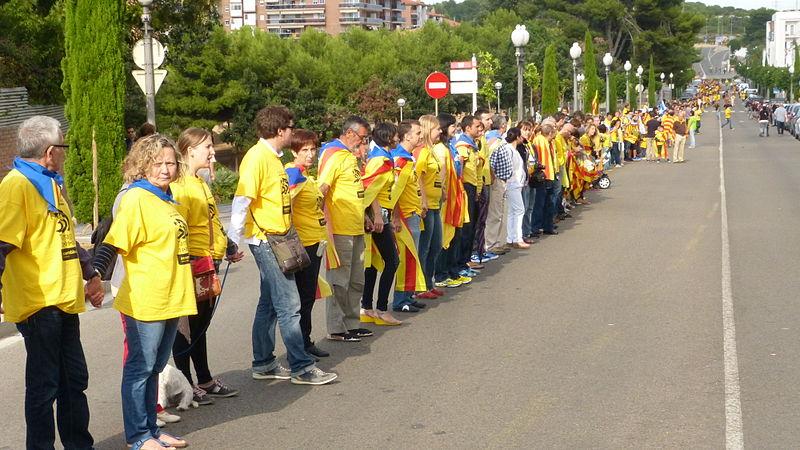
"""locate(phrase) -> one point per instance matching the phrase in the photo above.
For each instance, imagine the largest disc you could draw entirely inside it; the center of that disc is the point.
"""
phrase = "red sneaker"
(427, 295)
(437, 292)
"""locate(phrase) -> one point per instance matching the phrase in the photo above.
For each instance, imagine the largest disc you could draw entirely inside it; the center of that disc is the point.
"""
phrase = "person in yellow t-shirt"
(341, 186)
(262, 206)
(206, 239)
(309, 220)
(41, 268)
(430, 172)
(152, 238)
(472, 163)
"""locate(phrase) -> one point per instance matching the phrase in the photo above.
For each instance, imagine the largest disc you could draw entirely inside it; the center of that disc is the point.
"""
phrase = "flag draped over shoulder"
(330, 155)
(409, 276)
(595, 104)
(297, 179)
(379, 167)
(453, 216)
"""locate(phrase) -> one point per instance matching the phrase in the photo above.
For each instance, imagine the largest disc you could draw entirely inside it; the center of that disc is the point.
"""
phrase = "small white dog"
(174, 390)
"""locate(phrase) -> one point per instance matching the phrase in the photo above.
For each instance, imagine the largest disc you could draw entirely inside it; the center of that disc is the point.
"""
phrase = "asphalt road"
(713, 60)
(609, 335)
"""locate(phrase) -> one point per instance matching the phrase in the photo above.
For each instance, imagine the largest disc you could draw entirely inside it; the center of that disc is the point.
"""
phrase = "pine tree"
(550, 82)
(94, 87)
(651, 85)
(592, 83)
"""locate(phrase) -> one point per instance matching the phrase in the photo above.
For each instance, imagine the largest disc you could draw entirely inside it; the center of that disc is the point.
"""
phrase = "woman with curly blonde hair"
(151, 236)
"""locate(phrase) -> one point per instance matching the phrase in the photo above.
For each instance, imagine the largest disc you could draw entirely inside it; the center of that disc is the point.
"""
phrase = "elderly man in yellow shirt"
(262, 206)
(41, 267)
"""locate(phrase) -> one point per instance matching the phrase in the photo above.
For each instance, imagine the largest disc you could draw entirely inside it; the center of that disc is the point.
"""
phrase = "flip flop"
(176, 442)
(139, 445)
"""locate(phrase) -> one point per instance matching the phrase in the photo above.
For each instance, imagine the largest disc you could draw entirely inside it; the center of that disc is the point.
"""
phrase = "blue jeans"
(149, 348)
(403, 297)
(528, 197)
(55, 371)
(279, 303)
(543, 208)
(430, 244)
(557, 195)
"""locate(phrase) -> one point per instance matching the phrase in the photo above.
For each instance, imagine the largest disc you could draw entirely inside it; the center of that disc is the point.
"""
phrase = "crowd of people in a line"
(397, 214)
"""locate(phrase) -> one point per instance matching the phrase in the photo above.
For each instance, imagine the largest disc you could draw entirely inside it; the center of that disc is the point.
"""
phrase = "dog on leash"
(175, 390)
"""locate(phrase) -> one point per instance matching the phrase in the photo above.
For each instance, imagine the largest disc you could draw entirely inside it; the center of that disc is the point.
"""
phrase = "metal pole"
(640, 92)
(574, 85)
(149, 79)
(608, 93)
(498, 101)
(520, 61)
(436, 106)
(401, 114)
(627, 89)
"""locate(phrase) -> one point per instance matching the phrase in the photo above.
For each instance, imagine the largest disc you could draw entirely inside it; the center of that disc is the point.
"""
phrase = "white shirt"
(518, 171)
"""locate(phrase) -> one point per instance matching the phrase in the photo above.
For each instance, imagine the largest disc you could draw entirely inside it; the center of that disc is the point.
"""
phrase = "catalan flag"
(595, 104)
(409, 276)
(323, 289)
(453, 216)
(296, 176)
(330, 153)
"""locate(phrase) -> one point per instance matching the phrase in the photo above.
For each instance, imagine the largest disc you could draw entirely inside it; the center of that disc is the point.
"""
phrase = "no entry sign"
(437, 85)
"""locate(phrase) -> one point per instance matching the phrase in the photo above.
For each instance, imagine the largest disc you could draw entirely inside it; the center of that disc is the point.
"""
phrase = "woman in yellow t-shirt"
(206, 238)
(152, 238)
(309, 220)
(431, 179)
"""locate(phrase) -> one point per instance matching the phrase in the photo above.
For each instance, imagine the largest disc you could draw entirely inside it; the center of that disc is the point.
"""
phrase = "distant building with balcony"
(288, 18)
(783, 35)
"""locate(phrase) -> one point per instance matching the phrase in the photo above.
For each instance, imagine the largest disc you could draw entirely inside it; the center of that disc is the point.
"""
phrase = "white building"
(783, 34)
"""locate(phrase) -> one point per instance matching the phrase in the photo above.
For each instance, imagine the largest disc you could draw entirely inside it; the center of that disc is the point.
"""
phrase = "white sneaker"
(160, 423)
(165, 416)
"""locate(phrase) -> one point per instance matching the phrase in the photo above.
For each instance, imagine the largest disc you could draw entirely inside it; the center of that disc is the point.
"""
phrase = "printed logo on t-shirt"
(183, 242)
(69, 248)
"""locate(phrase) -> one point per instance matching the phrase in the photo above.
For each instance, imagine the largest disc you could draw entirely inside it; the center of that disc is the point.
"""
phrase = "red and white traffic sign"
(462, 65)
(437, 85)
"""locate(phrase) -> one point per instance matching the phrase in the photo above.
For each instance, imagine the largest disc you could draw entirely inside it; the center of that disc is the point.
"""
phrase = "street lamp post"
(671, 87)
(662, 86)
(627, 68)
(497, 87)
(575, 53)
(401, 102)
(580, 79)
(519, 37)
(607, 60)
(639, 72)
(149, 78)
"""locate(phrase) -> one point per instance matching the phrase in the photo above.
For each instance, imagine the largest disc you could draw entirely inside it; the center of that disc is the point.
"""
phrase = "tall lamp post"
(607, 60)
(149, 78)
(662, 86)
(401, 102)
(671, 87)
(519, 37)
(791, 82)
(639, 72)
(497, 87)
(575, 53)
(580, 79)
(627, 68)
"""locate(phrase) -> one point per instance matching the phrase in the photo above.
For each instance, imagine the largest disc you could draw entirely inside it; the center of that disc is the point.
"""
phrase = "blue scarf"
(467, 140)
(42, 179)
(153, 189)
(400, 152)
(378, 151)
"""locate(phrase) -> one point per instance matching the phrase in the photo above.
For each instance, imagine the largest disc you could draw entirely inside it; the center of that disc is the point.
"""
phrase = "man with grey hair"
(41, 268)
(500, 167)
(343, 192)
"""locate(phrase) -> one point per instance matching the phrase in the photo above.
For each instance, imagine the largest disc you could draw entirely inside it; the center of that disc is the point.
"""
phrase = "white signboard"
(464, 75)
(158, 75)
(464, 87)
(158, 53)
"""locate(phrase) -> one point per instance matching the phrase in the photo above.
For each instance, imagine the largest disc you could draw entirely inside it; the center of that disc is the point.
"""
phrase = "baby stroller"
(596, 167)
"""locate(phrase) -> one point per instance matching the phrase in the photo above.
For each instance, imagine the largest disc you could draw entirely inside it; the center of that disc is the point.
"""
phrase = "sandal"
(150, 444)
(172, 441)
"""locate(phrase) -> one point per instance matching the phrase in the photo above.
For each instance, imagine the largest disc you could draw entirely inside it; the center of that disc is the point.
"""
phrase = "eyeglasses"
(59, 145)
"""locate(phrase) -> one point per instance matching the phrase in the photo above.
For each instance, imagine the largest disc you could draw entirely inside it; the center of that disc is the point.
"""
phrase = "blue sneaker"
(472, 273)
(475, 258)
(467, 273)
(490, 256)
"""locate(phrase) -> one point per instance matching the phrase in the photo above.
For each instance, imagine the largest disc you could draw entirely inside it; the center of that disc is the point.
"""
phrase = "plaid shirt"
(500, 161)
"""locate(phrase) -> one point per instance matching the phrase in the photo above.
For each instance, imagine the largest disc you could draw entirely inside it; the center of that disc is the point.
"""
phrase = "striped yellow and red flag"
(323, 288)
(409, 276)
(453, 216)
(595, 104)
(329, 154)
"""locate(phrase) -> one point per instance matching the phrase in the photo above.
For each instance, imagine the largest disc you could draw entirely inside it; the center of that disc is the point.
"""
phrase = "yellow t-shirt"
(429, 174)
(152, 238)
(345, 200)
(263, 179)
(194, 202)
(406, 186)
(380, 184)
(44, 269)
(220, 238)
(473, 165)
(486, 152)
(307, 213)
(728, 113)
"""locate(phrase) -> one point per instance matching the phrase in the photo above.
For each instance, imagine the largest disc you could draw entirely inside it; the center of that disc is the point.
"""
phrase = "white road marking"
(733, 405)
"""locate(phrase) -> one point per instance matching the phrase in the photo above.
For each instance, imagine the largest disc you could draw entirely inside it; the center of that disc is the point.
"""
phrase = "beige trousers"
(495, 233)
(678, 149)
(347, 281)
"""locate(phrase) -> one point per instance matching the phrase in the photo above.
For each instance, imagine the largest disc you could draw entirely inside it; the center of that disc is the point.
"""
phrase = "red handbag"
(206, 280)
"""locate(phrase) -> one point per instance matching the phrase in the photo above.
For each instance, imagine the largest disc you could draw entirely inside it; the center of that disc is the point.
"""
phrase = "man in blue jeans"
(262, 207)
(42, 267)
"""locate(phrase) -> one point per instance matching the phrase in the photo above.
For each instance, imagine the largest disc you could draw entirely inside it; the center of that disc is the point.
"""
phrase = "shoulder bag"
(206, 280)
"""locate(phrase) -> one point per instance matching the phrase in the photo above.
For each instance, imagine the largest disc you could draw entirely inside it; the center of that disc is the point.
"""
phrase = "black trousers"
(306, 280)
(468, 230)
(388, 250)
(198, 354)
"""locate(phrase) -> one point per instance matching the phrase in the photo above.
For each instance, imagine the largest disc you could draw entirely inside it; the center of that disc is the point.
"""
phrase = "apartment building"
(783, 35)
(288, 18)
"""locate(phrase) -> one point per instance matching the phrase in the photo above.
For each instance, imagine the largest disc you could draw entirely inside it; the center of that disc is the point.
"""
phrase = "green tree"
(487, 71)
(533, 80)
(550, 85)
(592, 83)
(94, 86)
(613, 90)
(651, 85)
